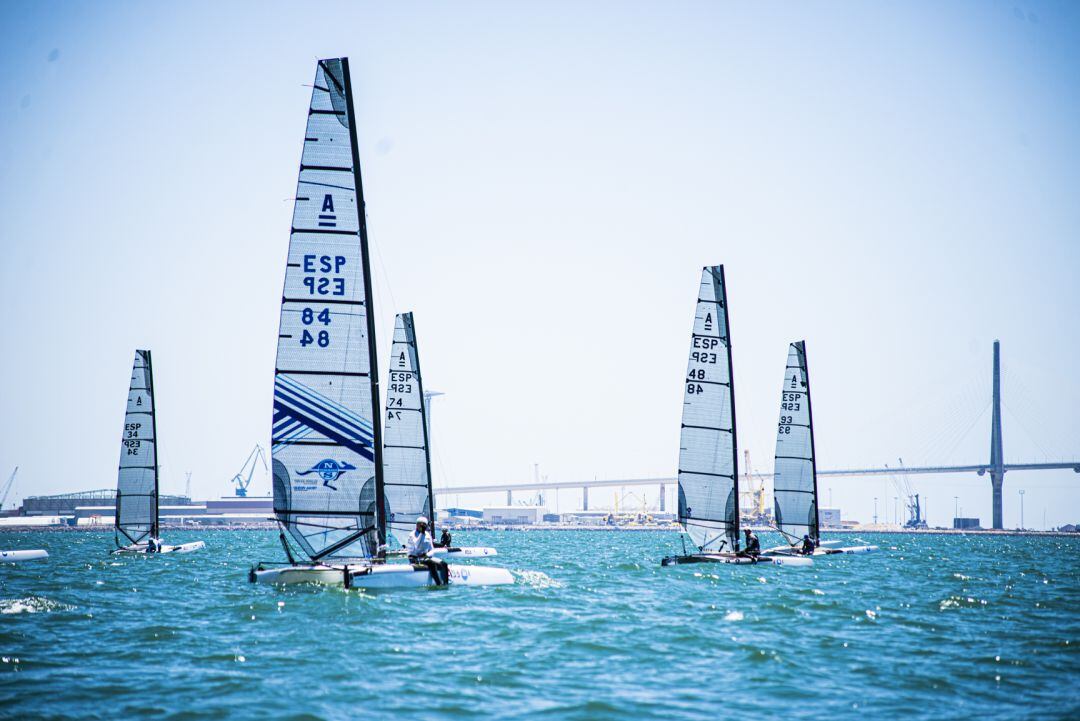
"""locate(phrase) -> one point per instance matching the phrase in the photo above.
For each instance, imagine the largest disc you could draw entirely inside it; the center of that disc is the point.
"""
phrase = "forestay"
(327, 454)
(794, 480)
(406, 462)
(708, 467)
(137, 481)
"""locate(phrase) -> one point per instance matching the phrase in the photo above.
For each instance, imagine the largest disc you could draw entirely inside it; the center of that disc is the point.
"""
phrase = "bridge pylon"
(997, 458)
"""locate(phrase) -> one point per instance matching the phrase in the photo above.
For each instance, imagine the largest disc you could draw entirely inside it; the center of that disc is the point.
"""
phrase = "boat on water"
(18, 556)
(708, 456)
(136, 524)
(330, 491)
(795, 492)
(406, 448)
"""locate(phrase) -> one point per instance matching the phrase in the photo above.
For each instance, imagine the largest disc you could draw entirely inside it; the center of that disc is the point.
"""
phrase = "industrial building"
(64, 504)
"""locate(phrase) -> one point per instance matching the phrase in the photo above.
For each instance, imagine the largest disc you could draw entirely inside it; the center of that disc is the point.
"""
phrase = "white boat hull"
(820, 551)
(19, 556)
(456, 552)
(777, 560)
(385, 576)
(165, 548)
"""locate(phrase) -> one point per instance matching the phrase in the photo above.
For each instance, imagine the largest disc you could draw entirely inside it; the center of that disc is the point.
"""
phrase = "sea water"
(930, 627)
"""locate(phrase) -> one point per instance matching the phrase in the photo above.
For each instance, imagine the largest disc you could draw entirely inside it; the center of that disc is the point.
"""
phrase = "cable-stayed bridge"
(996, 468)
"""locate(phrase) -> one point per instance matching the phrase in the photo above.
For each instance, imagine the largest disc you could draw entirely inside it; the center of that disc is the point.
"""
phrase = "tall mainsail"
(405, 435)
(708, 458)
(327, 446)
(795, 473)
(137, 481)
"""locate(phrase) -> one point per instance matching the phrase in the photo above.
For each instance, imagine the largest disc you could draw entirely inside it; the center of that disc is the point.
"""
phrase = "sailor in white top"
(420, 549)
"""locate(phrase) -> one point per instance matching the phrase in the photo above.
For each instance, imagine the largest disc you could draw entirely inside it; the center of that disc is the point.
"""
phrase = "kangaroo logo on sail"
(329, 471)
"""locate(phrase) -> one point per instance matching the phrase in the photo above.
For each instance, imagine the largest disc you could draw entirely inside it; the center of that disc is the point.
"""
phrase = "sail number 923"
(791, 401)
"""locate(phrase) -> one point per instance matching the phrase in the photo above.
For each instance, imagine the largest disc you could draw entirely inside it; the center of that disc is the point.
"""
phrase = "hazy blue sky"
(897, 183)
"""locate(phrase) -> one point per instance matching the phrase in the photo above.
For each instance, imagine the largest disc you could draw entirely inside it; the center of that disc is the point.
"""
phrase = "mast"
(731, 394)
(423, 424)
(376, 407)
(815, 533)
(154, 531)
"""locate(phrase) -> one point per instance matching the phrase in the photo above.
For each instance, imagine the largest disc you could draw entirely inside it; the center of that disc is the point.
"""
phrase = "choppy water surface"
(931, 627)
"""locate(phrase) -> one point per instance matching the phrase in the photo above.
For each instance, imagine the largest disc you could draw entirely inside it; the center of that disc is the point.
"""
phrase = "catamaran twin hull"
(18, 556)
(165, 548)
(455, 552)
(788, 551)
(737, 560)
(394, 575)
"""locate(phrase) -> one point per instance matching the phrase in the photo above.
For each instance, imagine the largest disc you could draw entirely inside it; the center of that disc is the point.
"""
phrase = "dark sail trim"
(734, 521)
(800, 348)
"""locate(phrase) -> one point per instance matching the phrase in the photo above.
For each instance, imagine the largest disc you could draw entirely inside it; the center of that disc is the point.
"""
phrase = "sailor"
(444, 539)
(153, 545)
(807, 546)
(753, 545)
(420, 550)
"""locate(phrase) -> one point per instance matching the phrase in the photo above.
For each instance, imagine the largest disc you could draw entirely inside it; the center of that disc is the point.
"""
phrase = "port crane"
(7, 487)
(243, 478)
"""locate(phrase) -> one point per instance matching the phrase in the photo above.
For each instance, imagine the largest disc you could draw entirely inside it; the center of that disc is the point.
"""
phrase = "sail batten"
(795, 477)
(327, 447)
(406, 454)
(136, 516)
(708, 457)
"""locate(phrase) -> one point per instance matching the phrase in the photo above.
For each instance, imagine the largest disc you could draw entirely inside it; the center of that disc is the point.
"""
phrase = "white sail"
(327, 450)
(708, 466)
(795, 481)
(407, 467)
(137, 481)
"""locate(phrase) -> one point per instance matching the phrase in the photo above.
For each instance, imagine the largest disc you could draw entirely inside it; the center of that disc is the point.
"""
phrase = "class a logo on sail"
(329, 471)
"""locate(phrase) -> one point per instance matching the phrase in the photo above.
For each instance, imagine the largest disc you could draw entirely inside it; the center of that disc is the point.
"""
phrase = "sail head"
(708, 470)
(137, 480)
(326, 447)
(794, 481)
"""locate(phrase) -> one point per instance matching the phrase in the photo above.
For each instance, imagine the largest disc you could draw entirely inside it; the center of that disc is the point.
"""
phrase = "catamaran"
(708, 457)
(327, 452)
(795, 493)
(136, 524)
(406, 447)
(18, 556)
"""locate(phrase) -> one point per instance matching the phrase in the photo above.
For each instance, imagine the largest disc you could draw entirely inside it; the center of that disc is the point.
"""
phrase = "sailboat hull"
(821, 551)
(181, 548)
(778, 560)
(456, 552)
(19, 556)
(386, 576)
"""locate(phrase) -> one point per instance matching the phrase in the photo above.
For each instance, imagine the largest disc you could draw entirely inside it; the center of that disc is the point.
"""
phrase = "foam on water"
(593, 628)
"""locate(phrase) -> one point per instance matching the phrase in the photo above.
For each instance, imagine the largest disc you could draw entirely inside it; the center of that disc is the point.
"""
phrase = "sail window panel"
(794, 497)
(323, 337)
(324, 267)
(706, 451)
(403, 428)
(315, 533)
(322, 478)
(707, 405)
(324, 209)
(326, 142)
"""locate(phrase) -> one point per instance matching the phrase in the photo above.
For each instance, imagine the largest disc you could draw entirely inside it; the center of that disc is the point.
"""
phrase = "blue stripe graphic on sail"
(320, 414)
(336, 410)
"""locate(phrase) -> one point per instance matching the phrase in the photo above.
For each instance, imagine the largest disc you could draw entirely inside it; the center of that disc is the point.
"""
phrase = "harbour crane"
(243, 478)
(7, 487)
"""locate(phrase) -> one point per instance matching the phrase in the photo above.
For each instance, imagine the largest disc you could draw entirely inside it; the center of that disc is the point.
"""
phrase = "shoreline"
(269, 526)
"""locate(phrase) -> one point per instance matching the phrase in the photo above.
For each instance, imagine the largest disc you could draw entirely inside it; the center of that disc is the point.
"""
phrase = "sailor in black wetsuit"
(444, 539)
(420, 550)
(753, 545)
(807, 546)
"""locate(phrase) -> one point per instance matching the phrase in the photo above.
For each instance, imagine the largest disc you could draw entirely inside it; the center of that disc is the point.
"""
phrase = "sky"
(895, 183)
